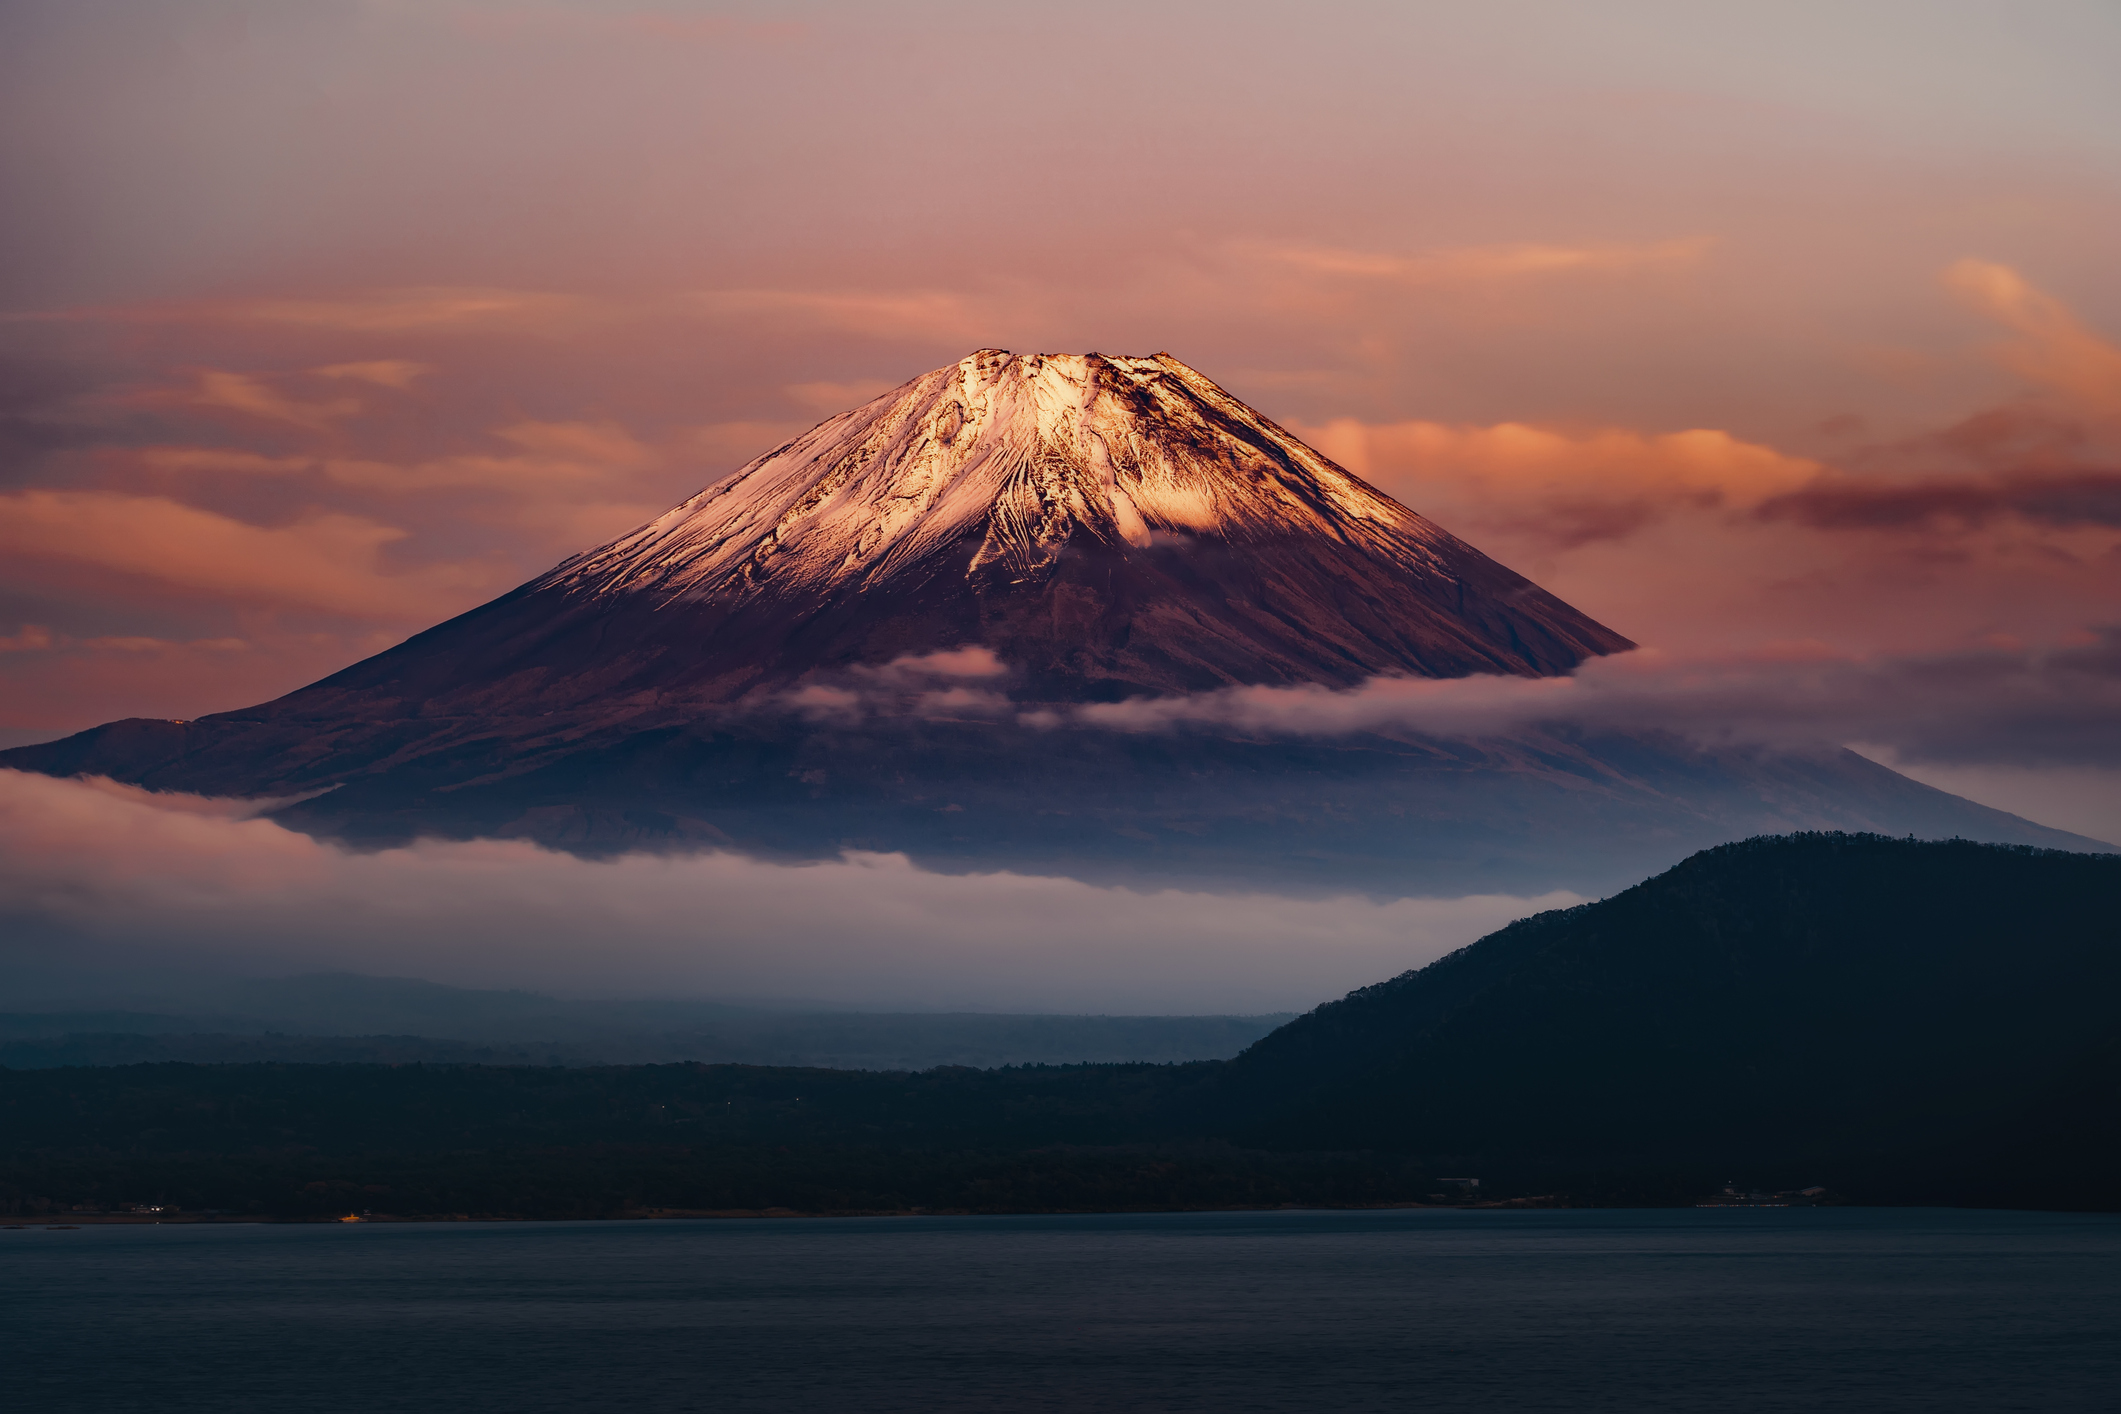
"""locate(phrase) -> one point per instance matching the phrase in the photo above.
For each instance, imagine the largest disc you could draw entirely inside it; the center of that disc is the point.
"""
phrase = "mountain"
(1934, 1019)
(855, 641)
(1066, 528)
(1104, 527)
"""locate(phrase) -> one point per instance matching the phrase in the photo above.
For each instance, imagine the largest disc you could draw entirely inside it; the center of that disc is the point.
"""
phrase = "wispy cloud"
(1472, 264)
(2059, 499)
(396, 373)
(425, 309)
(29, 638)
(326, 561)
(549, 459)
(2054, 349)
(216, 459)
(1997, 705)
(949, 685)
(238, 392)
(1561, 489)
(882, 314)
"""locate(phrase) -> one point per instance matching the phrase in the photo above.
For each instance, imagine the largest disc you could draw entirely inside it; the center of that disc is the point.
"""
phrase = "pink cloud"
(398, 373)
(968, 661)
(327, 561)
(2053, 348)
(242, 393)
(30, 638)
(216, 459)
(886, 314)
(1560, 488)
(431, 309)
(560, 460)
(1493, 262)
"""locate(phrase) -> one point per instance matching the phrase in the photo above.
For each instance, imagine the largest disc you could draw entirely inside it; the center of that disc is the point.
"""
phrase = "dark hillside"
(1785, 1001)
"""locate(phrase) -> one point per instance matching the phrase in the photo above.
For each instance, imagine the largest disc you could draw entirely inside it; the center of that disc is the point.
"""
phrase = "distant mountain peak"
(1019, 457)
(1106, 526)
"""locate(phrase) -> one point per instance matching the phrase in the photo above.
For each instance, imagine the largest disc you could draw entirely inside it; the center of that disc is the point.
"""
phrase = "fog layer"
(103, 874)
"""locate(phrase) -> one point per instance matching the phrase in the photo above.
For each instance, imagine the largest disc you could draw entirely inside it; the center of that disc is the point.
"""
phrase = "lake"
(1435, 1310)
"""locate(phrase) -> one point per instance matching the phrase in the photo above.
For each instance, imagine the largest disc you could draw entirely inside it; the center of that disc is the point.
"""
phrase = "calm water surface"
(1434, 1311)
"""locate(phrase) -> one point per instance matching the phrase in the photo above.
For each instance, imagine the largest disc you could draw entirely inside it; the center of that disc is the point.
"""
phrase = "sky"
(1785, 340)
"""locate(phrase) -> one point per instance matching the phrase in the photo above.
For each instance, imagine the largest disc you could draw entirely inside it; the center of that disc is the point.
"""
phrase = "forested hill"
(1780, 1000)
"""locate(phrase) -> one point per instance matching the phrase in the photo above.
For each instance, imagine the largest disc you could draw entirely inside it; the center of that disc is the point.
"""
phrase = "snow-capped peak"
(1007, 457)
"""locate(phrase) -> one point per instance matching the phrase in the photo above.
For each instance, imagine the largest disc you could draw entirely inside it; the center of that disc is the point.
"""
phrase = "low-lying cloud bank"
(92, 872)
(1991, 706)
(2035, 732)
